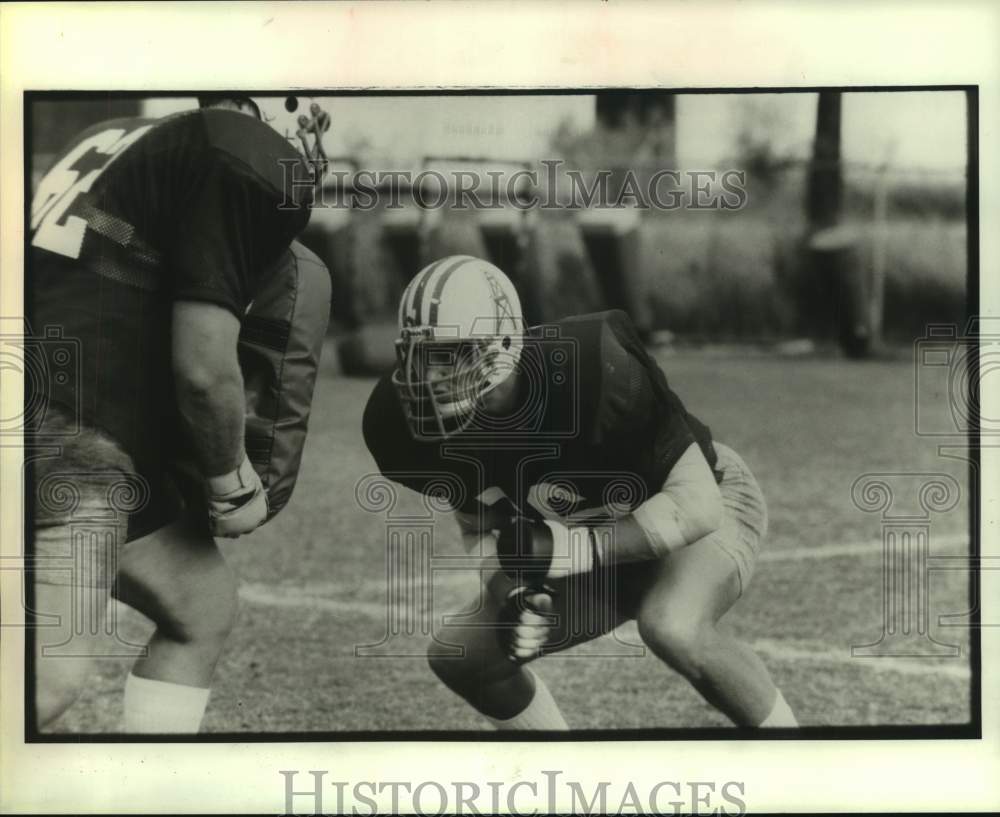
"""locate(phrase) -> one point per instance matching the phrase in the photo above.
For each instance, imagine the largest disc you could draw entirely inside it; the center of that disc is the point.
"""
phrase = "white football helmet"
(460, 336)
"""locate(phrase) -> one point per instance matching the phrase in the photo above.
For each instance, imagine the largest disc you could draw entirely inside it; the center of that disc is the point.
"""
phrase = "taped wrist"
(658, 518)
(574, 549)
(241, 477)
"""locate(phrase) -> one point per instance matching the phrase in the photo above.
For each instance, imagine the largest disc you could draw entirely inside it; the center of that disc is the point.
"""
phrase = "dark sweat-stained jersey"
(597, 428)
(135, 215)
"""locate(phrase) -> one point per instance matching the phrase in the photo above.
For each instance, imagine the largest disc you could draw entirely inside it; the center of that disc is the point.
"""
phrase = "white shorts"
(744, 521)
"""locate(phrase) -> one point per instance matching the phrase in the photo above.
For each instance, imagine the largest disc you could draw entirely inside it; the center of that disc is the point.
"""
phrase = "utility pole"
(833, 256)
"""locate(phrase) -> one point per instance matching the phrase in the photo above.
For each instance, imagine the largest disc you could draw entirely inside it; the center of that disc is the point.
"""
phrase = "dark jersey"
(597, 430)
(135, 215)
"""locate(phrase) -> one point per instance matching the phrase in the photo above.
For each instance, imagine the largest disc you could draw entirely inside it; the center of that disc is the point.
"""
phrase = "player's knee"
(449, 664)
(466, 660)
(437, 660)
(218, 618)
(681, 643)
(224, 609)
(205, 613)
(58, 684)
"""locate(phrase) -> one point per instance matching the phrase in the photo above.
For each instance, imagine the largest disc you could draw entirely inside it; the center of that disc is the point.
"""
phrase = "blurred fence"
(740, 274)
(722, 274)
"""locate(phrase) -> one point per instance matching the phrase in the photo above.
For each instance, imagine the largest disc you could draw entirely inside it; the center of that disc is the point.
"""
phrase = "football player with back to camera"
(594, 495)
(165, 248)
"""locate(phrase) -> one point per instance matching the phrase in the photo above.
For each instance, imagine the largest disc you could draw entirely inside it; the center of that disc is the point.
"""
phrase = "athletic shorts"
(744, 520)
(739, 536)
(88, 500)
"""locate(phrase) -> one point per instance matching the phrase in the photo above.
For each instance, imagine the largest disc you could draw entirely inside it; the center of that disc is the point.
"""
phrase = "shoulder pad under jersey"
(257, 149)
(613, 388)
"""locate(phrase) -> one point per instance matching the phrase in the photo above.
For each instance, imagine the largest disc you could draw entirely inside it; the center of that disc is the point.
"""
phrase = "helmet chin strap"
(456, 408)
(506, 379)
(442, 404)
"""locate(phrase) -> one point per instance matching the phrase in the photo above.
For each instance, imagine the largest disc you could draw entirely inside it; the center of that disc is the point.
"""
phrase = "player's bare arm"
(479, 525)
(211, 402)
(687, 508)
(209, 383)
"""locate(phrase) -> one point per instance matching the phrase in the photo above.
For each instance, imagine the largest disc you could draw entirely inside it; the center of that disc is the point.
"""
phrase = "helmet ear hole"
(291, 104)
(506, 342)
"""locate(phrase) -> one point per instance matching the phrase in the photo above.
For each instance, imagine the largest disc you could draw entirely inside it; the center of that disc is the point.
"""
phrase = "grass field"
(314, 578)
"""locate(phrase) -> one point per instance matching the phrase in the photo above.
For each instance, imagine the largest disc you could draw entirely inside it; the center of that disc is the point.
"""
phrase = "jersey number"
(62, 184)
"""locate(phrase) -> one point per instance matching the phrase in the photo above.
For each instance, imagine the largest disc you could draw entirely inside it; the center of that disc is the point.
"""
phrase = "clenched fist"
(237, 502)
(528, 621)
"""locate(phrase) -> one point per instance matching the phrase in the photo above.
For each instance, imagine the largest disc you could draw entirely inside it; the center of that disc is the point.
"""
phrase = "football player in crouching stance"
(594, 495)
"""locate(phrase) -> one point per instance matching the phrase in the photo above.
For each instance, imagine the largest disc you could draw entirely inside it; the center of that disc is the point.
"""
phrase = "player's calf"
(58, 685)
(684, 645)
(63, 642)
(468, 662)
(473, 658)
(677, 621)
(508, 694)
(177, 577)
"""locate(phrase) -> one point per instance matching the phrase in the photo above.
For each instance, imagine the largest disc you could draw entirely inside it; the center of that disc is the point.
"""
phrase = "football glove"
(533, 552)
(237, 502)
(526, 622)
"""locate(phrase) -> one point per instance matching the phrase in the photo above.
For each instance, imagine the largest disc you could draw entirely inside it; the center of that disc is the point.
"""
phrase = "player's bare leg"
(677, 620)
(64, 643)
(72, 573)
(178, 578)
(484, 675)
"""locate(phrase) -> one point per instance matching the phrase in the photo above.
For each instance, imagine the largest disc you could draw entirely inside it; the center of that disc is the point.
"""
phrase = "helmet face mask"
(441, 384)
(445, 369)
(292, 119)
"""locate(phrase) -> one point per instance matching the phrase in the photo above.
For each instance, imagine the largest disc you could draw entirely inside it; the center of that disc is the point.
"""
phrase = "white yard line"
(807, 652)
(321, 596)
(948, 542)
(455, 579)
(818, 653)
(266, 596)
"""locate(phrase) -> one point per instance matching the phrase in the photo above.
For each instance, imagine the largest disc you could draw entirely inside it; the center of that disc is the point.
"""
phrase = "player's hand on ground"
(532, 551)
(237, 502)
(529, 622)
